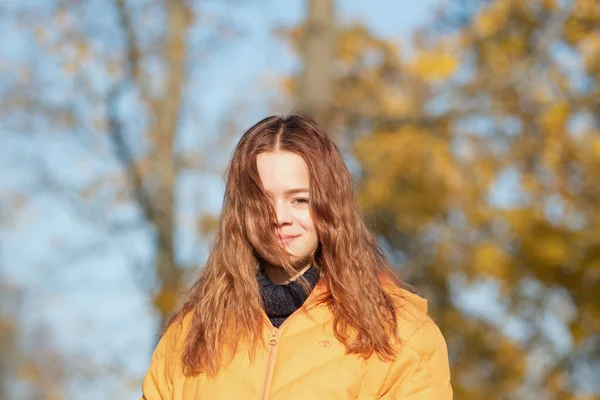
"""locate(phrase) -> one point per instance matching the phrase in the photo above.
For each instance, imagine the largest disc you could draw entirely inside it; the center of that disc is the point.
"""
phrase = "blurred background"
(471, 126)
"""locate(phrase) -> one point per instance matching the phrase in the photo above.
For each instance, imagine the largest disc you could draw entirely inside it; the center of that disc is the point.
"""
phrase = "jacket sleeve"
(422, 372)
(157, 384)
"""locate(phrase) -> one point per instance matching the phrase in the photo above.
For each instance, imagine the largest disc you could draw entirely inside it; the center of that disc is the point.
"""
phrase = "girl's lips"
(286, 239)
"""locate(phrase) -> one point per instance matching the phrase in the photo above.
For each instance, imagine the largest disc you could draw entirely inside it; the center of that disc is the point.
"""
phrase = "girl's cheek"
(306, 221)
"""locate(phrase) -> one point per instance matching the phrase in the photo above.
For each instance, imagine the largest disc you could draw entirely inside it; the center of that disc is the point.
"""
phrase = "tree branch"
(124, 155)
(134, 70)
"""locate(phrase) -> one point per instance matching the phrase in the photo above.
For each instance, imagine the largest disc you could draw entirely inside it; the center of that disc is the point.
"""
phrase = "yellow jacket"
(303, 360)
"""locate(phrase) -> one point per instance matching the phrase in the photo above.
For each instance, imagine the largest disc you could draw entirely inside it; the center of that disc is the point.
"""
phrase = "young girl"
(297, 300)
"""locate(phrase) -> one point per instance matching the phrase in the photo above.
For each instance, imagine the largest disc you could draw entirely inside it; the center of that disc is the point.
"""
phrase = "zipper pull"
(273, 340)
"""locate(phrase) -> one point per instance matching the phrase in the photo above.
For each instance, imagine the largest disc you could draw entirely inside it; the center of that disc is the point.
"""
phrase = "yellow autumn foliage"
(433, 66)
(554, 118)
(595, 147)
(489, 259)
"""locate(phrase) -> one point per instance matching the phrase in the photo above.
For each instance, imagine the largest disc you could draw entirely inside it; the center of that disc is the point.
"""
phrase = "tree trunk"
(318, 48)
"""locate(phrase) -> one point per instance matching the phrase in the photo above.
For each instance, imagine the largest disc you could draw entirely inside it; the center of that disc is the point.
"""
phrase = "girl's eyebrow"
(291, 192)
(296, 191)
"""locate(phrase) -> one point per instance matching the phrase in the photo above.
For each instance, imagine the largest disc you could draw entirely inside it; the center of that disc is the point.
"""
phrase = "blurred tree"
(101, 121)
(112, 81)
(33, 370)
(43, 367)
(479, 168)
(9, 335)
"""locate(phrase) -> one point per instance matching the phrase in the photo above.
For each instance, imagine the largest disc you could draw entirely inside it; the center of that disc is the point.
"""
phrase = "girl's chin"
(297, 262)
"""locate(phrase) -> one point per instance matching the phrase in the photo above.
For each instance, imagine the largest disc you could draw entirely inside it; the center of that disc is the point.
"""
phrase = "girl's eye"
(300, 201)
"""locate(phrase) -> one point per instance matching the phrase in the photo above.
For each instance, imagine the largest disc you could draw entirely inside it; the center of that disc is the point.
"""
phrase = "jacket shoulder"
(172, 340)
(411, 310)
(421, 364)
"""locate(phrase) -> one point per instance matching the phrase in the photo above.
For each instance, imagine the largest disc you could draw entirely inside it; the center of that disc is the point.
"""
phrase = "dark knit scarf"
(280, 301)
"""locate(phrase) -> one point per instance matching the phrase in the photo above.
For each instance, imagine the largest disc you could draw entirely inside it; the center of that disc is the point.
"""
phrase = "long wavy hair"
(225, 306)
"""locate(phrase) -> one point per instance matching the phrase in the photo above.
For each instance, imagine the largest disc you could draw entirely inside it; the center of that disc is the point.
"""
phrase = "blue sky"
(92, 305)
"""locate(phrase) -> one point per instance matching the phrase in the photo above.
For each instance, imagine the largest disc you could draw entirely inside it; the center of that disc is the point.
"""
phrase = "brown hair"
(226, 298)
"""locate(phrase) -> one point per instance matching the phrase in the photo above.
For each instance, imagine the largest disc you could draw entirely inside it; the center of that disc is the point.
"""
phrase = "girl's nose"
(284, 216)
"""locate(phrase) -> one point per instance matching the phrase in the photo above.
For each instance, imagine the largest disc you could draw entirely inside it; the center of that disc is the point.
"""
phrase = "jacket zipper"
(270, 363)
(273, 341)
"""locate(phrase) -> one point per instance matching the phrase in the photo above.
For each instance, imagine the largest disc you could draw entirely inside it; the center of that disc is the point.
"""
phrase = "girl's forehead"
(282, 171)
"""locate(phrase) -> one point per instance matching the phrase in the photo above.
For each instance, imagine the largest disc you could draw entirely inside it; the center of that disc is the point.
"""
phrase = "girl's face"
(285, 178)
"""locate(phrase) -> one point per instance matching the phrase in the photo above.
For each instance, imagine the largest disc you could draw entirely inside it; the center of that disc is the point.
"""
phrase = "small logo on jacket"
(325, 343)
